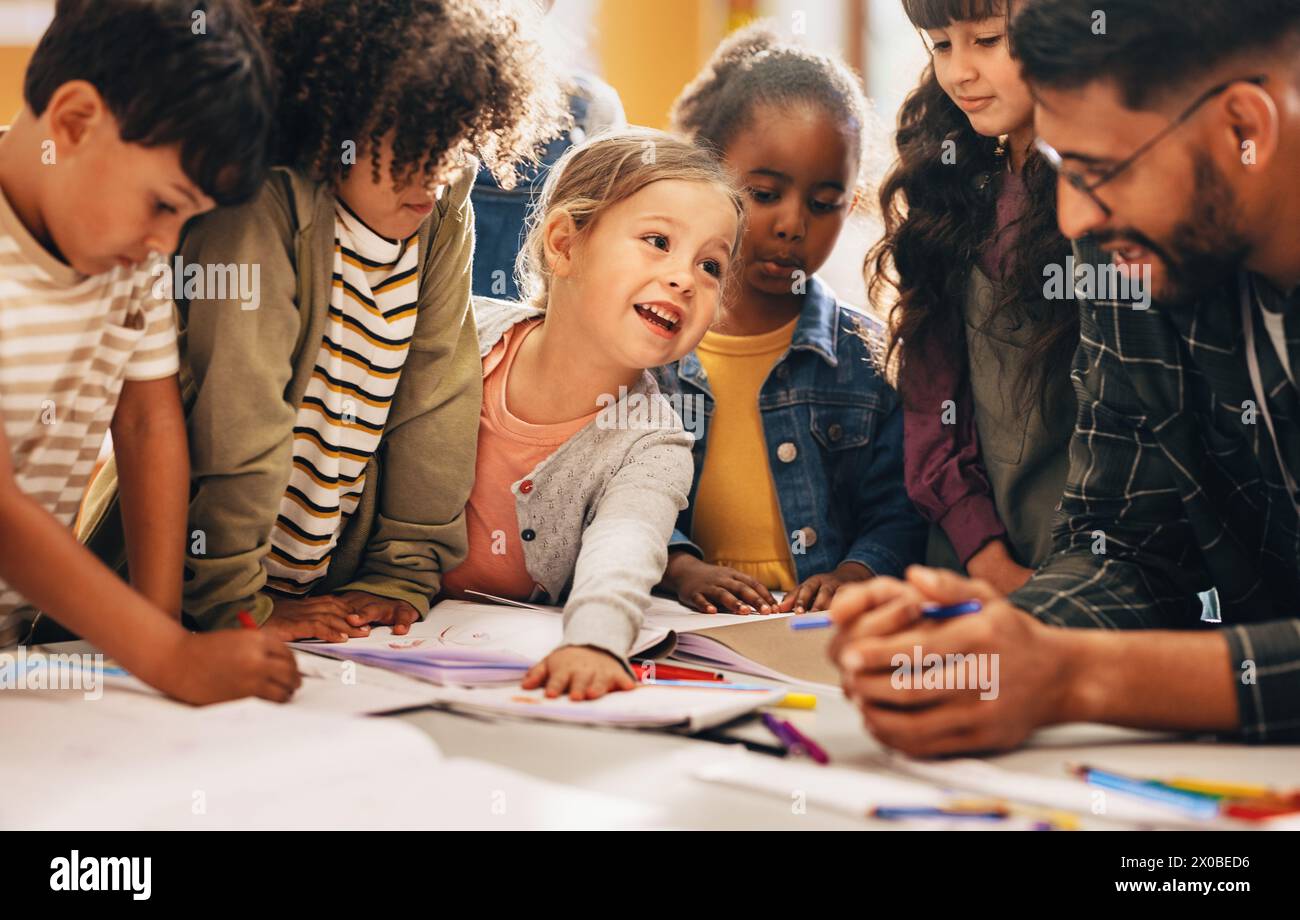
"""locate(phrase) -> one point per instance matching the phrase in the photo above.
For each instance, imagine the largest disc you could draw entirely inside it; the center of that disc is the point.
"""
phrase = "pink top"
(508, 450)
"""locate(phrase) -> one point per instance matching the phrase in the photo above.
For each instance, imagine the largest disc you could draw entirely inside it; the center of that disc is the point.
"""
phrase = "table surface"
(646, 766)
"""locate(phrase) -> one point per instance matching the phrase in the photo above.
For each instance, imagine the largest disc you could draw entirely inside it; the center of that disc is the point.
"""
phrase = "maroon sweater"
(942, 469)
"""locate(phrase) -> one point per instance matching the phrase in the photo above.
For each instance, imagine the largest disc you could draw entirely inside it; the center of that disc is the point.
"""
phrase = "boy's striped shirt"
(67, 343)
(343, 412)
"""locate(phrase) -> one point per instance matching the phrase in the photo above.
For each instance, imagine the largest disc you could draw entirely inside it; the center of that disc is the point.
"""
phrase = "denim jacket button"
(787, 452)
(782, 372)
(835, 432)
(809, 536)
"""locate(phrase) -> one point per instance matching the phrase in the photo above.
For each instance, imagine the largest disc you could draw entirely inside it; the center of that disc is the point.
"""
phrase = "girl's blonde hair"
(594, 176)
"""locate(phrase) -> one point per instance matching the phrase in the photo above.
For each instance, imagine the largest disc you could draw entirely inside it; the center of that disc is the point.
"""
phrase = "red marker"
(672, 672)
(1248, 810)
(246, 621)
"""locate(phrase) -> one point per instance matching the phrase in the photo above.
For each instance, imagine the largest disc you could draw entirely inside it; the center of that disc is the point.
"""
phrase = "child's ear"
(559, 234)
(74, 111)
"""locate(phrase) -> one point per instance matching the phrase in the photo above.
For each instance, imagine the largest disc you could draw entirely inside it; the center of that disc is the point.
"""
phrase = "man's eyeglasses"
(1078, 182)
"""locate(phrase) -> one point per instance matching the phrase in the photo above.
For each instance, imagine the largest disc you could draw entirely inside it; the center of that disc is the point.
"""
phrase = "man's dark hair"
(187, 72)
(1148, 46)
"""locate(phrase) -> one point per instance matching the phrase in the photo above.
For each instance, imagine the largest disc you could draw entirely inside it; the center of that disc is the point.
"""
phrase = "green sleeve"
(238, 365)
(428, 451)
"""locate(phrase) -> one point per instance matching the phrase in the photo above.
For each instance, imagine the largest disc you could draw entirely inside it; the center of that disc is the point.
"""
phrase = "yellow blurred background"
(648, 50)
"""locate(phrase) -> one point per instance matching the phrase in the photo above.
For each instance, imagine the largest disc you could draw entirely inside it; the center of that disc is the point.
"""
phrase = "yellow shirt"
(737, 518)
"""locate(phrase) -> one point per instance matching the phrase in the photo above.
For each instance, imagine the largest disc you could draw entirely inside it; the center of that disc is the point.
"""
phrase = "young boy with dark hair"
(138, 115)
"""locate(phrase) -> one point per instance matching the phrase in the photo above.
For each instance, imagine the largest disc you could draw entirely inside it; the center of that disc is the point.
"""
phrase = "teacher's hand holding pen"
(999, 674)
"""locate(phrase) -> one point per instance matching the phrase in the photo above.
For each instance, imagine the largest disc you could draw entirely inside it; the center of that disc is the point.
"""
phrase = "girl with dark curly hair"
(333, 415)
(982, 358)
(800, 437)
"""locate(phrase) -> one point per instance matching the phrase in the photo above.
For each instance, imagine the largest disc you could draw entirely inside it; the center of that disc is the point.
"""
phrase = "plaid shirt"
(1174, 488)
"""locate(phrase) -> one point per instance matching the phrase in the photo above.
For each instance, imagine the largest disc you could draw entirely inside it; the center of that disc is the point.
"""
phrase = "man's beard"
(1205, 249)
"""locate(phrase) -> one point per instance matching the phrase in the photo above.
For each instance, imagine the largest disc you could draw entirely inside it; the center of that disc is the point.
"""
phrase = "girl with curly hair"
(333, 416)
(800, 437)
(982, 358)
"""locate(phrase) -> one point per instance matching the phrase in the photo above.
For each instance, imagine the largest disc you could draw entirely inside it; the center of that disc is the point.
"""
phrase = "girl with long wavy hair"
(982, 357)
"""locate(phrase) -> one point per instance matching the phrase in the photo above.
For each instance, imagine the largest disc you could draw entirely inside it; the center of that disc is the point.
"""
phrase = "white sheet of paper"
(646, 706)
(133, 760)
(327, 685)
(853, 792)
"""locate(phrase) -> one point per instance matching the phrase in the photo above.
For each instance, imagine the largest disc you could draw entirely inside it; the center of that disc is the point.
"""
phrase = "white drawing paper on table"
(646, 706)
(853, 792)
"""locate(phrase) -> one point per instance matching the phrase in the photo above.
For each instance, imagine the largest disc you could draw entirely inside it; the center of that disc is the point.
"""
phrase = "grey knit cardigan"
(598, 514)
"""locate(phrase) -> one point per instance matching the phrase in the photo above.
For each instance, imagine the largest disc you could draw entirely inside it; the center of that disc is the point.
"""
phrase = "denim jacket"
(501, 216)
(834, 431)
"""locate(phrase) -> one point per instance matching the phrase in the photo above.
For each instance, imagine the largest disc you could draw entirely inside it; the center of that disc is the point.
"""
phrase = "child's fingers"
(624, 681)
(325, 603)
(536, 674)
(406, 616)
(701, 603)
(557, 682)
(324, 627)
(287, 683)
(273, 692)
(284, 672)
(808, 593)
(825, 594)
(597, 687)
(725, 599)
(350, 631)
(743, 587)
(760, 589)
(579, 685)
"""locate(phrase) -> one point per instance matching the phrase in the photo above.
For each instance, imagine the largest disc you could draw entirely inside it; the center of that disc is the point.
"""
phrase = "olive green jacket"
(243, 376)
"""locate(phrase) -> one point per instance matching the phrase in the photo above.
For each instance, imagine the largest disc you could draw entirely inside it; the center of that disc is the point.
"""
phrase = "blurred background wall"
(648, 50)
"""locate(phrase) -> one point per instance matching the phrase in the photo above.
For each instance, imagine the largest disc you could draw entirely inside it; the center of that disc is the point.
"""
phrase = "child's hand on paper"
(584, 672)
(323, 616)
(228, 664)
(379, 611)
(710, 588)
(816, 593)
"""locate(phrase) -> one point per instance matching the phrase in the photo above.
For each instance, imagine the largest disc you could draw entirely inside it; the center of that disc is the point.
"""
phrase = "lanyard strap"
(1257, 384)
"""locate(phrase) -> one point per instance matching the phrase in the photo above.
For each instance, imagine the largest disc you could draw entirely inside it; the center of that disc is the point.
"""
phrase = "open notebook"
(464, 643)
(758, 644)
(477, 653)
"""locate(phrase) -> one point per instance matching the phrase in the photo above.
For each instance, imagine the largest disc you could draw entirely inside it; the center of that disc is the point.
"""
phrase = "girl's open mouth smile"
(663, 319)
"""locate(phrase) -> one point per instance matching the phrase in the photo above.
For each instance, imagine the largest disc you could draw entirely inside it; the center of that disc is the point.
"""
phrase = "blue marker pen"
(810, 622)
(940, 612)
